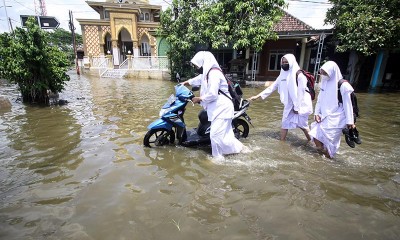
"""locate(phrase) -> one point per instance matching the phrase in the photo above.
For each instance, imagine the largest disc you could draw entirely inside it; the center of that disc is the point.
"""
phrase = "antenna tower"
(40, 8)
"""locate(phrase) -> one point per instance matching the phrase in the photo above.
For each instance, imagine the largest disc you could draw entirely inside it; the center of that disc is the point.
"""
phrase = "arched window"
(145, 49)
(141, 17)
(147, 17)
(108, 44)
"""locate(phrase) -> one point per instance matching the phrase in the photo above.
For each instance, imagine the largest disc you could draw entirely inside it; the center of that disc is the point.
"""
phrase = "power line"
(312, 17)
(25, 6)
(308, 1)
(85, 11)
(169, 3)
(57, 2)
(15, 20)
(61, 4)
(308, 7)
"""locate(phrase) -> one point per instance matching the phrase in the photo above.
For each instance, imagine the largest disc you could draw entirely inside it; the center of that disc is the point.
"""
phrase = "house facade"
(295, 37)
(288, 42)
(125, 28)
(125, 37)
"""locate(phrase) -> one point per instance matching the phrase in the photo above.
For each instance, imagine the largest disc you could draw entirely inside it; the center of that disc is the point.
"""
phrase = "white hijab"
(327, 97)
(287, 80)
(206, 60)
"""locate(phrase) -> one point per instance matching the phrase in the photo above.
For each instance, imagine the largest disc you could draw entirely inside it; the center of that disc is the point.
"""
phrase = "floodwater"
(80, 171)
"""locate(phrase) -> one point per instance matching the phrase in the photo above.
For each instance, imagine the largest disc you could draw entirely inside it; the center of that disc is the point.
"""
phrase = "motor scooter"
(171, 123)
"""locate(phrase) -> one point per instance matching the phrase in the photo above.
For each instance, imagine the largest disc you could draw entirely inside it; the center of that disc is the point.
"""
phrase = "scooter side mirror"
(195, 88)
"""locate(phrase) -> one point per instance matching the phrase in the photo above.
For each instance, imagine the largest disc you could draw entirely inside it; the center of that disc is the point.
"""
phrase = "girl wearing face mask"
(330, 115)
(294, 96)
(219, 107)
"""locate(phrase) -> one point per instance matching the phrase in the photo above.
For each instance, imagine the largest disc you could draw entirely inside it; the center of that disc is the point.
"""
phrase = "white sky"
(311, 12)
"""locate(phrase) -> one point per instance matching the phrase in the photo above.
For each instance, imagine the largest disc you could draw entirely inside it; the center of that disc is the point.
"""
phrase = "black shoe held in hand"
(348, 138)
(354, 135)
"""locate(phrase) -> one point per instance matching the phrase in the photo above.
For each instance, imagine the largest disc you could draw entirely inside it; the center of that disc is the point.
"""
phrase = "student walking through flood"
(219, 107)
(294, 96)
(330, 115)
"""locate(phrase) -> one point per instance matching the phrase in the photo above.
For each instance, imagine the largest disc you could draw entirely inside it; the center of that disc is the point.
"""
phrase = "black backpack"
(234, 89)
(310, 82)
(353, 98)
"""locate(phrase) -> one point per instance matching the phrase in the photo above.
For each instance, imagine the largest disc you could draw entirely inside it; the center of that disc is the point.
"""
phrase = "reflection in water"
(49, 142)
(80, 172)
(41, 152)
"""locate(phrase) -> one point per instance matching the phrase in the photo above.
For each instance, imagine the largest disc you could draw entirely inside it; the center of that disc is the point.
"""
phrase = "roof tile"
(290, 23)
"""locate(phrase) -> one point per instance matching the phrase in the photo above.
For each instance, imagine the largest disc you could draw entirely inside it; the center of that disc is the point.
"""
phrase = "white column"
(135, 52)
(116, 56)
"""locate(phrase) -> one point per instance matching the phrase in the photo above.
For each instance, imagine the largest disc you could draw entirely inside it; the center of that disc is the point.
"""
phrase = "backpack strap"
(341, 81)
(226, 95)
(297, 76)
(219, 90)
(352, 97)
(213, 68)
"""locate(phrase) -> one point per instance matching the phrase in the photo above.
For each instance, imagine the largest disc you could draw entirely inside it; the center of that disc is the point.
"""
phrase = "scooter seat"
(204, 124)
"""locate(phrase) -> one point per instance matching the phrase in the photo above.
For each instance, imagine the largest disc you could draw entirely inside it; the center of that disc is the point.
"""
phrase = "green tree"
(236, 23)
(63, 40)
(365, 26)
(29, 61)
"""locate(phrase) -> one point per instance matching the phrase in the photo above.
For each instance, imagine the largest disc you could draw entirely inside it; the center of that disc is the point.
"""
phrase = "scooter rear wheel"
(158, 137)
(240, 128)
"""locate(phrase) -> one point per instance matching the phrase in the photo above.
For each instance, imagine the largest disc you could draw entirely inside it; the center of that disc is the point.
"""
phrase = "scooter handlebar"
(190, 100)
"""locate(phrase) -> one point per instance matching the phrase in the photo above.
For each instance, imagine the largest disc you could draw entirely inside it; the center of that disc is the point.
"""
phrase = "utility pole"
(40, 8)
(72, 28)
(43, 11)
(7, 19)
(12, 30)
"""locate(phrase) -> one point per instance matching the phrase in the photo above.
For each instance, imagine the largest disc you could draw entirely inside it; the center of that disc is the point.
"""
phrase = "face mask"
(200, 70)
(324, 78)
(285, 66)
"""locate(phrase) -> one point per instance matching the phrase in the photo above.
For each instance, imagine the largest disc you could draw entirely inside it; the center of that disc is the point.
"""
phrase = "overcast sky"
(311, 12)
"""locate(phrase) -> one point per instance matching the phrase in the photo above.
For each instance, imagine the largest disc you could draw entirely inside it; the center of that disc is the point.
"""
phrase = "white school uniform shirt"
(328, 103)
(334, 116)
(293, 96)
(217, 105)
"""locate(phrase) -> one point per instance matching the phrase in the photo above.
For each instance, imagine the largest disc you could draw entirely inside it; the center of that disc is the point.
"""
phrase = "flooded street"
(80, 171)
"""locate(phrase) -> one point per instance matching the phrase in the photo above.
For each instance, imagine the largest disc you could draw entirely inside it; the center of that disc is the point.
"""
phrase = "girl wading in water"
(294, 97)
(330, 115)
(219, 107)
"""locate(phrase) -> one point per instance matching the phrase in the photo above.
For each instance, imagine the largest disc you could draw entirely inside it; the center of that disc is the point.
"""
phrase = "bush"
(29, 61)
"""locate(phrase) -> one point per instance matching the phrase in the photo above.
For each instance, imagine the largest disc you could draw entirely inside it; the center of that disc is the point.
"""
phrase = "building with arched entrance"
(125, 30)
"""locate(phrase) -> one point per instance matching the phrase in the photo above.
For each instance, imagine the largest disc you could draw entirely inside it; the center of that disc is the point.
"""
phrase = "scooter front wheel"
(158, 137)
(240, 128)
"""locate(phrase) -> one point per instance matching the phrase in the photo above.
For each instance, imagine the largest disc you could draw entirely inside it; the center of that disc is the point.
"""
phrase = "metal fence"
(149, 63)
(131, 63)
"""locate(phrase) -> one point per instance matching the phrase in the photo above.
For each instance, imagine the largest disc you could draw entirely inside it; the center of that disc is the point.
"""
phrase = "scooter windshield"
(183, 93)
(171, 99)
(177, 101)
(169, 102)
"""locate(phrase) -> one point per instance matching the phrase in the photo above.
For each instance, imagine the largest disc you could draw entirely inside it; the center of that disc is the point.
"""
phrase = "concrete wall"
(134, 74)
(144, 74)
